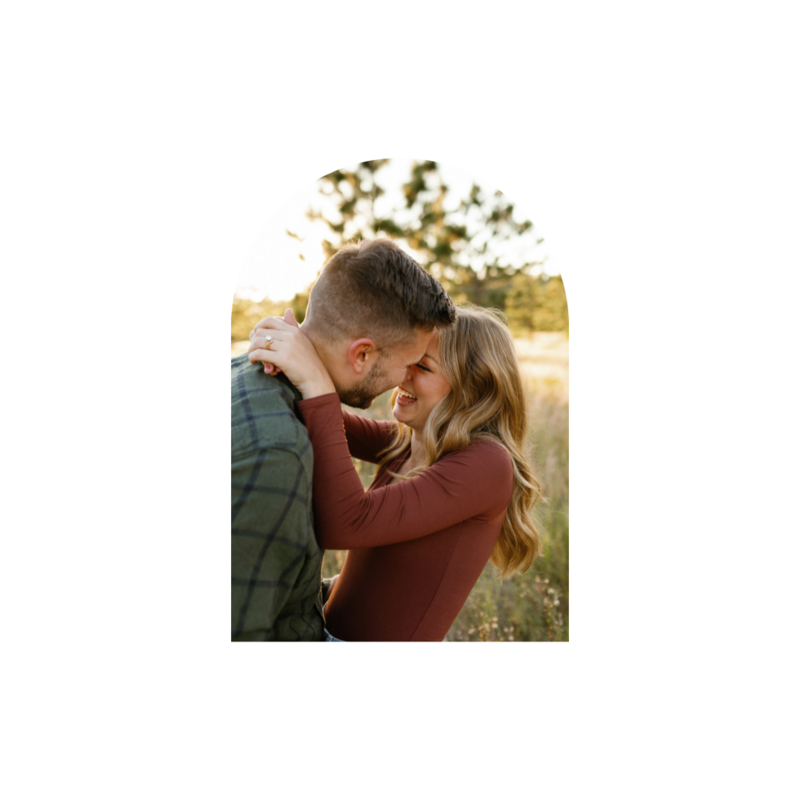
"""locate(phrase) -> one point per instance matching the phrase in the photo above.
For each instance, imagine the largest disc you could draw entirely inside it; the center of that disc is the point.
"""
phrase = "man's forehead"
(415, 349)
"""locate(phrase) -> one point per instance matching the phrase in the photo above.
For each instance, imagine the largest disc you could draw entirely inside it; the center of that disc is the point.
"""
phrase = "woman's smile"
(405, 398)
(424, 387)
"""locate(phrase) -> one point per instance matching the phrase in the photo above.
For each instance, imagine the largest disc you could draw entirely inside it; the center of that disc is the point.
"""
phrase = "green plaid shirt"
(276, 563)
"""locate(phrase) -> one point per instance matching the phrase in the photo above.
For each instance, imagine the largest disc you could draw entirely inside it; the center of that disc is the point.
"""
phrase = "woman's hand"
(270, 369)
(290, 350)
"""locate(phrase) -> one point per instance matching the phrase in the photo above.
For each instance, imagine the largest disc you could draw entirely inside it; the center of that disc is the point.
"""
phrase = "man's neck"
(326, 356)
(319, 344)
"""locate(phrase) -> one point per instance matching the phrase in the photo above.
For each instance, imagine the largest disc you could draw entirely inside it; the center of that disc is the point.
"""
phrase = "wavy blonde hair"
(486, 401)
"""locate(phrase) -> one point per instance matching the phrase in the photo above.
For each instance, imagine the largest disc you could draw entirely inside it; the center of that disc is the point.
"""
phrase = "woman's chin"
(401, 415)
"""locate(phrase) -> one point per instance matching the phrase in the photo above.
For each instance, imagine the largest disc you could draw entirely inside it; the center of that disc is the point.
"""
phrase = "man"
(370, 316)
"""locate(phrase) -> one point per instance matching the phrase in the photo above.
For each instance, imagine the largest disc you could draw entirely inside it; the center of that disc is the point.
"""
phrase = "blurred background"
(474, 241)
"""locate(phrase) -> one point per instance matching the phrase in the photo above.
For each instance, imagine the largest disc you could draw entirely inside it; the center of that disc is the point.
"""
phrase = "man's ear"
(362, 352)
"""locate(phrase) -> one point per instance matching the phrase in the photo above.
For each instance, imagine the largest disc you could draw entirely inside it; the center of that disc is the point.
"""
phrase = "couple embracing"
(453, 490)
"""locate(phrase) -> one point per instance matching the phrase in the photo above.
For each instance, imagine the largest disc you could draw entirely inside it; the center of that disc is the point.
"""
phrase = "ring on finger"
(268, 342)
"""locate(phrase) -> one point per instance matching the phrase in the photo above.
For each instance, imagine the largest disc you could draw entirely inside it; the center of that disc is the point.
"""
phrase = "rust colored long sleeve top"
(415, 547)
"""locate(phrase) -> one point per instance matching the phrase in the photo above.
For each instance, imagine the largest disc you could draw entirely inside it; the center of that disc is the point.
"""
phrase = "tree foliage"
(465, 243)
(537, 302)
(461, 247)
(246, 313)
(355, 194)
(474, 245)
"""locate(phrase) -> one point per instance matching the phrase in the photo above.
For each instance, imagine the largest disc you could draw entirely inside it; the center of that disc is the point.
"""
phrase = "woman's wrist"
(316, 387)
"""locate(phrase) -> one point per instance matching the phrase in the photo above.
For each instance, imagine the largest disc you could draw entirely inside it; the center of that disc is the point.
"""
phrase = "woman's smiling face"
(426, 386)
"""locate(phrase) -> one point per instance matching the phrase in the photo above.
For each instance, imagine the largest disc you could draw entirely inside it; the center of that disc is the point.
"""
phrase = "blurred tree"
(246, 313)
(298, 305)
(537, 302)
(354, 193)
(460, 243)
(462, 247)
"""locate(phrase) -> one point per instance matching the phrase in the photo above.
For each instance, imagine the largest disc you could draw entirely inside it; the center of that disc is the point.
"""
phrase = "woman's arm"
(367, 437)
(475, 481)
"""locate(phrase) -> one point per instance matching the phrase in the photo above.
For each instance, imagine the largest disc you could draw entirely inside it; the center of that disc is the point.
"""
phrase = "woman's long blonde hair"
(486, 401)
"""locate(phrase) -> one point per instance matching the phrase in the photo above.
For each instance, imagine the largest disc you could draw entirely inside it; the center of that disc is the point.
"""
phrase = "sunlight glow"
(280, 265)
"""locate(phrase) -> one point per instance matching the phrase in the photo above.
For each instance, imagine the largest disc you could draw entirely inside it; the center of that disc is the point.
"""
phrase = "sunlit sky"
(274, 268)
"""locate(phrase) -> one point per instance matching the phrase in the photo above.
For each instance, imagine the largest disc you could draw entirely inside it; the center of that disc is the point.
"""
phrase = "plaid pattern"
(276, 563)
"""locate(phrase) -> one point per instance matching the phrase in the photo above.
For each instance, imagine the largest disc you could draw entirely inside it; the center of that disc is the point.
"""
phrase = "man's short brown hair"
(375, 289)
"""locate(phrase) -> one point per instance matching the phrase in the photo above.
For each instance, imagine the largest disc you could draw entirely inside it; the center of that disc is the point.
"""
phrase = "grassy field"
(533, 606)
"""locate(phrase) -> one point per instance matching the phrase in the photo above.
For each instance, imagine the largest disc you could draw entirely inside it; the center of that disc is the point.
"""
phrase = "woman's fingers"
(261, 342)
(256, 353)
(263, 335)
(273, 322)
(259, 354)
(263, 339)
(263, 350)
(272, 327)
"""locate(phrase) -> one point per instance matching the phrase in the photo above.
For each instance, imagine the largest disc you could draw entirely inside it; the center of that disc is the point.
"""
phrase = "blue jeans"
(328, 636)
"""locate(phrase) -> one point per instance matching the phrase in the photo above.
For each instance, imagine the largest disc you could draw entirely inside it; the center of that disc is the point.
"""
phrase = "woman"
(453, 488)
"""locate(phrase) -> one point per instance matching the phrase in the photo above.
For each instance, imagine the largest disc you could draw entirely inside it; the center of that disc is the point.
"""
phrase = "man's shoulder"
(263, 411)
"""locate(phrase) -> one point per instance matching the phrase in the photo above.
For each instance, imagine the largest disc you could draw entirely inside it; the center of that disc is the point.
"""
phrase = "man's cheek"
(397, 376)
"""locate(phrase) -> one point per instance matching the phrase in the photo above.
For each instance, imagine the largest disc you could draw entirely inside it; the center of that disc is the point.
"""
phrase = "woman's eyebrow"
(430, 357)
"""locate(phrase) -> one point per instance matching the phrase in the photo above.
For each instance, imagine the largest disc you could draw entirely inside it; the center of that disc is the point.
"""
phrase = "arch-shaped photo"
(399, 416)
